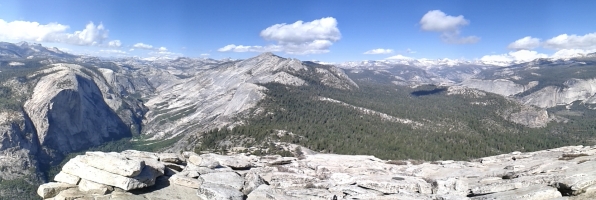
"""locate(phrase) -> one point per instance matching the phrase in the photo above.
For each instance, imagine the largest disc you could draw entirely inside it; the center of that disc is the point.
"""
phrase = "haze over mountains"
(53, 103)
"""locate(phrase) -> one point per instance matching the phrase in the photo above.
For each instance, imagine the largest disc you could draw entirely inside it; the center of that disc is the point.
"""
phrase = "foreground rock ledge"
(562, 173)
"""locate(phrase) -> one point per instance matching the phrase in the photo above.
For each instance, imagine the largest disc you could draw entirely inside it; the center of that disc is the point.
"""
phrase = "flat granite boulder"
(180, 179)
(49, 190)
(113, 163)
(219, 192)
(64, 177)
(536, 192)
(80, 169)
(230, 179)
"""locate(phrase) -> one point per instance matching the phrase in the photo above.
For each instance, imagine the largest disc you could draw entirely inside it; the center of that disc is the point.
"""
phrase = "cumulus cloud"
(379, 51)
(448, 26)
(141, 45)
(525, 43)
(515, 56)
(398, 57)
(162, 49)
(115, 43)
(567, 53)
(313, 37)
(52, 32)
(564, 41)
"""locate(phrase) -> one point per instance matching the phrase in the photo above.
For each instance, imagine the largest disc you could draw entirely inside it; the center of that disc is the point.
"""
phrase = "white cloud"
(52, 32)
(398, 57)
(313, 37)
(448, 26)
(204, 55)
(525, 43)
(141, 45)
(379, 51)
(113, 51)
(517, 56)
(115, 43)
(567, 53)
(410, 51)
(162, 49)
(564, 41)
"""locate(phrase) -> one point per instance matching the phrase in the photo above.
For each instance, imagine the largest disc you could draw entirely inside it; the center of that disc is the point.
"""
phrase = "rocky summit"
(562, 173)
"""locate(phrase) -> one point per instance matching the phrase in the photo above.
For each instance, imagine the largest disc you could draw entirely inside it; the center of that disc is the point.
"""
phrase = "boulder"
(213, 191)
(169, 158)
(64, 177)
(252, 180)
(113, 163)
(395, 186)
(450, 186)
(182, 180)
(266, 192)
(80, 169)
(230, 179)
(536, 192)
(237, 162)
(49, 190)
(94, 188)
(195, 159)
(72, 194)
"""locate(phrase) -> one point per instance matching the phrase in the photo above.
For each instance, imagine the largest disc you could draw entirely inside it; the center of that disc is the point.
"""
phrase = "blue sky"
(331, 31)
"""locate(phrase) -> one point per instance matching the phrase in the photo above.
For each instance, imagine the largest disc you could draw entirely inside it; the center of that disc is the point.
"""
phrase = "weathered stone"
(452, 186)
(140, 154)
(266, 192)
(113, 163)
(219, 192)
(252, 180)
(237, 162)
(77, 168)
(64, 177)
(288, 180)
(94, 188)
(185, 181)
(536, 192)
(495, 187)
(169, 157)
(195, 159)
(230, 179)
(383, 184)
(49, 190)
(71, 194)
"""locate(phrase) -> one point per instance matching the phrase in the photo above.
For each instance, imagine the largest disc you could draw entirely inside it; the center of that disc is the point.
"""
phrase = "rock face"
(548, 174)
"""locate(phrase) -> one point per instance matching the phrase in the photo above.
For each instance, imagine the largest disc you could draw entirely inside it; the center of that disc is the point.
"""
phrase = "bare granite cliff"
(562, 173)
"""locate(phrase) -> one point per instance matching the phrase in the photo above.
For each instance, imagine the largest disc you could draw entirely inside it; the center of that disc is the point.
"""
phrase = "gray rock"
(64, 177)
(230, 179)
(451, 186)
(185, 181)
(49, 190)
(77, 168)
(537, 192)
(266, 192)
(113, 163)
(72, 194)
(169, 158)
(252, 180)
(91, 187)
(219, 192)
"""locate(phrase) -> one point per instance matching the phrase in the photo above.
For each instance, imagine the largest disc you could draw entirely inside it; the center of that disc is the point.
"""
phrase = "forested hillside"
(450, 126)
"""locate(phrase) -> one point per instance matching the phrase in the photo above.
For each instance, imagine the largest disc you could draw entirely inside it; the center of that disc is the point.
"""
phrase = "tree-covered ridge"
(453, 127)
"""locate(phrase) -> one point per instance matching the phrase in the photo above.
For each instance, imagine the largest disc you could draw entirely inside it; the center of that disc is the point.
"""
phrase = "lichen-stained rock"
(213, 191)
(230, 179)
(64, 177)
(537, 192)
(113, 163)
(49, 190)
(186, 181)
